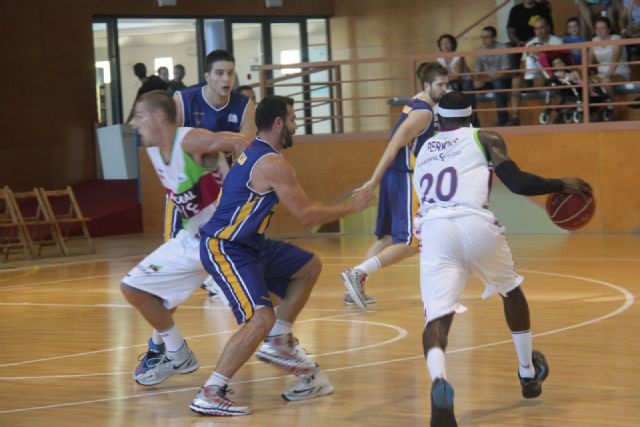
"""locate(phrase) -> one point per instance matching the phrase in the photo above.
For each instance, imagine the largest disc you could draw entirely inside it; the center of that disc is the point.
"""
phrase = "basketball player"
(396, 206)
(191, 166)
(215, 107)
(255, 272)
(453, 178)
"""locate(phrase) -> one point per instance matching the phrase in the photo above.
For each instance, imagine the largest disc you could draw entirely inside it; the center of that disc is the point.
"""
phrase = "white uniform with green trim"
(460, 235)
(174, 271)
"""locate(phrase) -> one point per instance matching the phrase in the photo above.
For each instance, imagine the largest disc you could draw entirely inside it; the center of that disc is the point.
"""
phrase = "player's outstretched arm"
(521, 182)
(414, 124)
(276, 173)
(201, 142)
(248, 127)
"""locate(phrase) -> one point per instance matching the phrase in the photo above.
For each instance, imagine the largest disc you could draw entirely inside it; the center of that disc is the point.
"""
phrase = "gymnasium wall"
(48, 79)
(329, 167)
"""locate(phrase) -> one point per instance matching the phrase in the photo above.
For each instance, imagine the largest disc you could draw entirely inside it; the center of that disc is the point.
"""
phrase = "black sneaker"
(532, 387)
(442, 404)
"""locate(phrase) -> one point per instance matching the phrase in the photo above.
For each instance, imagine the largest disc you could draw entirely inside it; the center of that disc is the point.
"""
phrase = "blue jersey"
(405, 159)
(243, 214)
(198, 113)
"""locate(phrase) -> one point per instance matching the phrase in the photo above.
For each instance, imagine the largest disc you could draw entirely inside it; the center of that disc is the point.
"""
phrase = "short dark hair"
(491, 29)
(604, 19)
(427, 72)
(454, 100)
(163, 68)
(215, 56)
(159, 100)
(269, 108)
(140, 70)
(244, 87)
(452, 39)
(179, 66)
(574, 19)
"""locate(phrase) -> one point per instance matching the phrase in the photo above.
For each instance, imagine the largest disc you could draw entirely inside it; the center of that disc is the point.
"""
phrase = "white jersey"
(193, 188)
(452, 175)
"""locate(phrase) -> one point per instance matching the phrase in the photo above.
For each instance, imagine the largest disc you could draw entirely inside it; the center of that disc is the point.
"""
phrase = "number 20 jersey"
(453, 171)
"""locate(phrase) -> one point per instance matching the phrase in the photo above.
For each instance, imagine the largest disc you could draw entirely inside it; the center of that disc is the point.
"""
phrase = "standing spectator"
(606, 55)
(456, 65)
(532, 75)
(495, 68)
(176, 83)
(148, 84)
(588, 10)
(573, 35)
(522, 17)
(163, 73)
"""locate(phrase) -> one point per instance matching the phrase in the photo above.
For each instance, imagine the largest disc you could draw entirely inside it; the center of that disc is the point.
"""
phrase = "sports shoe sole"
(276, 361)
(186, 370)
(216, 412)
(353, 293)
(540, 362)
(308, 394)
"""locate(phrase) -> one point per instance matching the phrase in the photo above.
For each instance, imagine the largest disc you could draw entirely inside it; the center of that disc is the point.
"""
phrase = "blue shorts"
(246, 275)
(397, 207)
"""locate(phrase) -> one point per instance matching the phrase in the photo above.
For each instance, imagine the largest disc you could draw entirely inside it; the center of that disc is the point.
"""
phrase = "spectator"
(520, 25)
(495, 68)
(176, 83)
(456, 65)
(588, 10)
(630, 25)
(533, 75)
(604, 56)
(573, 36)
(163, 73)
(148, 84)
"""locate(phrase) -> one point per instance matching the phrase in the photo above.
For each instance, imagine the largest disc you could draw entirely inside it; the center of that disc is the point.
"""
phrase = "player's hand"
(362, 199)
(367, 186)
(577, 186)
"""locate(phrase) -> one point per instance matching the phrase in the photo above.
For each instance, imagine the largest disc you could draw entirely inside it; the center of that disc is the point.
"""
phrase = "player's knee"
(262, 321)
(133, 295)
(311, 270)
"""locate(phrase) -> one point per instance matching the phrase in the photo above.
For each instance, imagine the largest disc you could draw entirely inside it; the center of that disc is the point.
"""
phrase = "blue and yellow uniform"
(398, 203)
(197, 112)
(234, 250)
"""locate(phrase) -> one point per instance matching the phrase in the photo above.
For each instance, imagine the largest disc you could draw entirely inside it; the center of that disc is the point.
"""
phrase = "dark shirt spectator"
(178, 74)
(521, 20)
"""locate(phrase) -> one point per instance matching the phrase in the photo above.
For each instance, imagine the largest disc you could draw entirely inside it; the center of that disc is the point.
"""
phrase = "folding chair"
(61, 207)
(13, 230)
(41, 230)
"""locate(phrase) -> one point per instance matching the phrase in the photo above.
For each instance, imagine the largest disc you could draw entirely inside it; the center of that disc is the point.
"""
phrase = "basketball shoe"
(309, 386)
(285, 352)
(212, 400)
(354, 280)
(149, 359)
(442, 404)
(211, 287)
(532, 387)
(182, 361)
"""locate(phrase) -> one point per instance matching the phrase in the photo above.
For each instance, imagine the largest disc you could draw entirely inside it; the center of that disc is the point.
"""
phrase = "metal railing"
(351, 95)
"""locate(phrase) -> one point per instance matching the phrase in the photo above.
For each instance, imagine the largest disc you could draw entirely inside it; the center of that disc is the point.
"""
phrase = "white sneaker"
(213, 401)
(211, 286)
(353, 280)
(347, 300)
(182, 361)
(309, 386)
(285, 352)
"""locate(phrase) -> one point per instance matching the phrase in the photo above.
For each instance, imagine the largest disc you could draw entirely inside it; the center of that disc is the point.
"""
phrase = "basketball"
(570, 211)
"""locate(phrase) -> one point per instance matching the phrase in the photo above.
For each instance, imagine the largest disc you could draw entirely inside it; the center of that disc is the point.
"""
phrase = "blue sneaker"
(149, 359)
(442, 404)
(532, 387)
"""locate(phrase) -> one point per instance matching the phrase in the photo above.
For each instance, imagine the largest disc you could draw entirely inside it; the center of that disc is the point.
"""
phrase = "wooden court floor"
(69, 342)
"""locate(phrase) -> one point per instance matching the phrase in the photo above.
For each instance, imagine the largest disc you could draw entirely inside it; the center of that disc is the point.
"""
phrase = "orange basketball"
(570, 211)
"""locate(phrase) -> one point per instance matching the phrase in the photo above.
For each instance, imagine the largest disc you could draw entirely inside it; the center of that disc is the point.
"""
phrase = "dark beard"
(287, 140)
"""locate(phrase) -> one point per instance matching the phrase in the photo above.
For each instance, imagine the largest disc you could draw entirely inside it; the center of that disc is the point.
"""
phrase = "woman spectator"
(604, 56)
(456, 65)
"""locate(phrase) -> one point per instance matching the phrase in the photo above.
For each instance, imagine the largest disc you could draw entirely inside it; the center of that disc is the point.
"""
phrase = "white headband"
(458, 112)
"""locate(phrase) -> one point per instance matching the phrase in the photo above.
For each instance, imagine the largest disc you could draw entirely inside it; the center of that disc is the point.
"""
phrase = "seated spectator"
(588, 10)
(573, 36)
(533, 74)
(604, 56)
(496, 72)
(456, 65)
(630, 25)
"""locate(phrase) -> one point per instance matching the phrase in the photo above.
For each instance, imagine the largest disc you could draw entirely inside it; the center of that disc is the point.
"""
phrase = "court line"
(105, 350)
(628, 302)
(401, 334)
(128, 306)
(32, 270)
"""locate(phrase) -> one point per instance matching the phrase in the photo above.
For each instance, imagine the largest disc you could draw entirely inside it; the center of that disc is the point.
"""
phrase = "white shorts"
(172, 272)
(454, 247)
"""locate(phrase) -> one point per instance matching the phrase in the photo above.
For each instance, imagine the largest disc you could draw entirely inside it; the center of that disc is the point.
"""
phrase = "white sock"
(281, 327)
(436, 363)
(217, 380)
(172, 338)
(522, 342)
(156, 338)
(370, 265)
